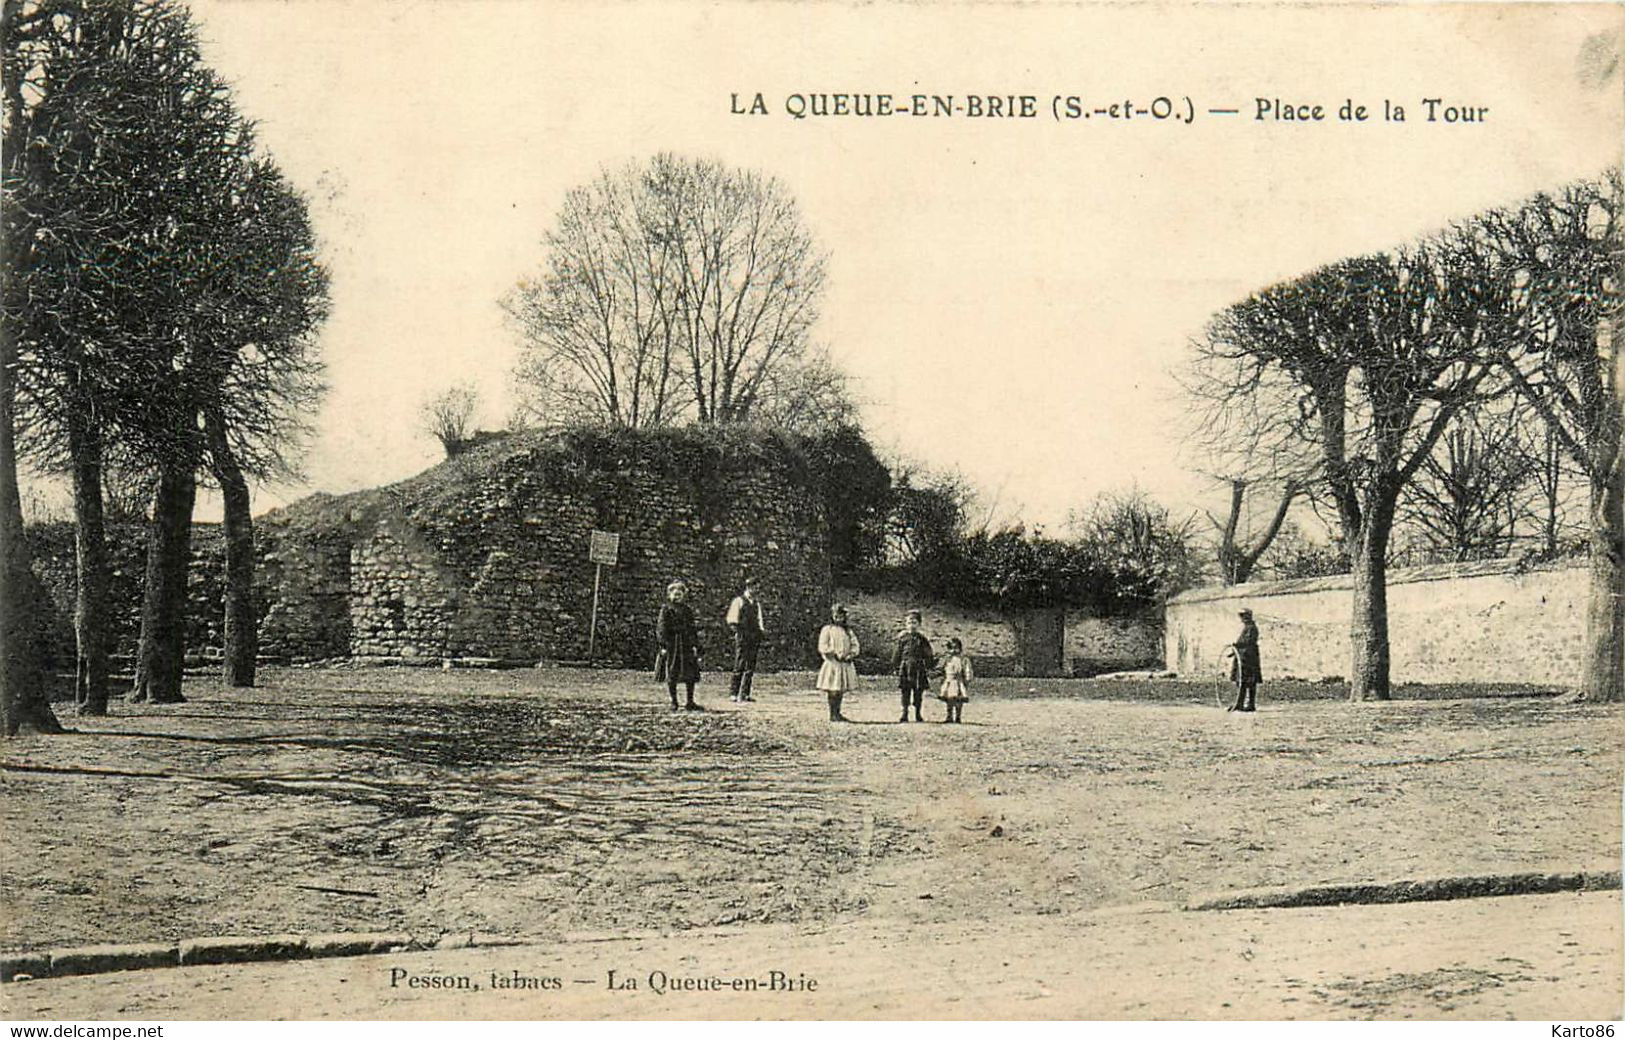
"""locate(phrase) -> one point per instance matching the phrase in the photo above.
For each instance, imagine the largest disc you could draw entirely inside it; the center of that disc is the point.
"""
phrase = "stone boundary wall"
(53, 558)
(1106, 644)
(1091, 645)
(1482, 622)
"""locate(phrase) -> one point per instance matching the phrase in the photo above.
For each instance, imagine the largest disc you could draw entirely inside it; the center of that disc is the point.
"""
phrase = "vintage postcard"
(812, 510)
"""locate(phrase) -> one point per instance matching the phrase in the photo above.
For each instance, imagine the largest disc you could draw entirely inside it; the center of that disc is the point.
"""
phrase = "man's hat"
(1244, 612)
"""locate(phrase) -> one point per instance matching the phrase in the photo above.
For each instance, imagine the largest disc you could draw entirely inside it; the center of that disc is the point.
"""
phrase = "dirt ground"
(550, 803)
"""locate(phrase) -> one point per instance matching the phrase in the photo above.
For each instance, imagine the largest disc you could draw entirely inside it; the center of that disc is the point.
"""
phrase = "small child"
(957, 674)
(913, 660)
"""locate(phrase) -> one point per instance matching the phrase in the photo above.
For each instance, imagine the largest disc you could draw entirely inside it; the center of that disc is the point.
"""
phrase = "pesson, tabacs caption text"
(1065, 108)
(658, 982)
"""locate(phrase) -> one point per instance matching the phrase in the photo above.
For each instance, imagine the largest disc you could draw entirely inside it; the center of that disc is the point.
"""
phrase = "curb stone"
(234, 949)
(95, 960)
(354, 944)
(472, 940)
(1411, 891)
(18, 966)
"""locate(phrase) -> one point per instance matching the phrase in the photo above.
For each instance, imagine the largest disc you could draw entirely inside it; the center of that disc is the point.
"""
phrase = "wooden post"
(592, 631)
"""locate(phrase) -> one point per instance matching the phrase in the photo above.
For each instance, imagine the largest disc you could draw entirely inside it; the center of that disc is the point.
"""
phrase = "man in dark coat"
(678, 637)
(745, 622)
(1246, 667)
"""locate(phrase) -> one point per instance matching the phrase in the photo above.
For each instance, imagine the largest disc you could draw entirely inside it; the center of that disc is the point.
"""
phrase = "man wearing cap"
(1247, 669)
(745, 622)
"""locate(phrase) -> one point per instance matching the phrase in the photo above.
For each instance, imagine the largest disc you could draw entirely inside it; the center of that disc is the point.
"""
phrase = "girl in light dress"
(838, 646)
(957, 674)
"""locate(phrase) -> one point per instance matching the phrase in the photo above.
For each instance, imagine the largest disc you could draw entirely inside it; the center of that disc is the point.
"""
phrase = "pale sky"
(1011, 296)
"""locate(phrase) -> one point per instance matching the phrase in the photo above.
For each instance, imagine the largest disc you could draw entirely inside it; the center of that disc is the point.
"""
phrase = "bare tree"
(1561, 339)
(677, 290)
(813, 398)
(24, 702)
(1467, 497)
(448, 416)
(1239, 550)
(1373, 358)
(1295, 554)
(1250, 432)
(126, 491)
(1554, 505)
(264, 377)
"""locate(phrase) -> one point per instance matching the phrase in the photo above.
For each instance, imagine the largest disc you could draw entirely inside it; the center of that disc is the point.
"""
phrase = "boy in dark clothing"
(913, 661)
(1246, 669)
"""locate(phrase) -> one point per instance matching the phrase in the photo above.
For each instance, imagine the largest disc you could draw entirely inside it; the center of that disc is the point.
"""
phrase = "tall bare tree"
(675, 290)
(1554, 516)
(24, 701)
(55, 100)
(1251, 432)
(1369, 360)
(260, 376)
(1563, 346)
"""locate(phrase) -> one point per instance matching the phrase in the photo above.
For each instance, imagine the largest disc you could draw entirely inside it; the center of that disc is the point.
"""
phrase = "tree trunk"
(1368, 632)
(23, 700)
(1603, 674)
(162, 650)
(1229, 554)
(242, 623)
(92, 575)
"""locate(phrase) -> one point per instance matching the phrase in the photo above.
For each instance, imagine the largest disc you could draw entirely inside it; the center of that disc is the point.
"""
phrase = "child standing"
(957, 674)
(913, 661)
(838, 646)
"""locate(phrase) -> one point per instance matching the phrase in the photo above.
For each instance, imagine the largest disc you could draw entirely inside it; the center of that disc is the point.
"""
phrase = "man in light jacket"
(746, 623)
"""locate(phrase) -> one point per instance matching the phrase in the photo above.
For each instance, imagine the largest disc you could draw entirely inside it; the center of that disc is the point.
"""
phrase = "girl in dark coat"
(1247, 668)
(679, 657)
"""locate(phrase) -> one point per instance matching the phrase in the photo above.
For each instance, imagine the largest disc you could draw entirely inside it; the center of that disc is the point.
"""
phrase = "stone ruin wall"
(500, 569)
(485, 556)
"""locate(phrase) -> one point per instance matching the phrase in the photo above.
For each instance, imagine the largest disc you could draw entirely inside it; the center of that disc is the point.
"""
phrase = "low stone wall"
(1483, 622)
(302, 587)
(1091, 645)
(1099, 644)
(877, 617)
(52, 548)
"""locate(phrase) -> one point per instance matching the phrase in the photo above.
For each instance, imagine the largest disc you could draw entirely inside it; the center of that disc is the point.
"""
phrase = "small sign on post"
(603, 547)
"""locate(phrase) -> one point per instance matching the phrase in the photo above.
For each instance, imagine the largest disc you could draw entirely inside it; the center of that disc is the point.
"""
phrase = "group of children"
(913, 660)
